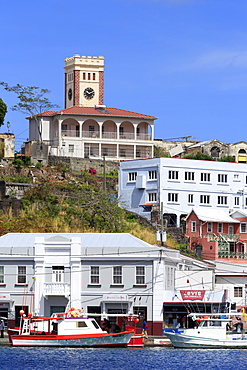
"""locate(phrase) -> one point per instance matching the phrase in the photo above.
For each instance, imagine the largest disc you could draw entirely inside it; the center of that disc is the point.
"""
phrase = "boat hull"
(137, 340)
(106, 340)
(185, 341)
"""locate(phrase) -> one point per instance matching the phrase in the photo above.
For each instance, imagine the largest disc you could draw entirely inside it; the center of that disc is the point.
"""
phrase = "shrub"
(38, 165)
(17, 162)
(198, 155)
(227, 158)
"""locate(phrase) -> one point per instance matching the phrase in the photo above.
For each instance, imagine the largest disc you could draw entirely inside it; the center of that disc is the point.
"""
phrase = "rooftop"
(94, 111)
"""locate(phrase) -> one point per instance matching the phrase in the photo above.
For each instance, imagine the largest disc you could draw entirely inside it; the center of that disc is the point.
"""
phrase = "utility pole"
(104, 174)
(162, 224)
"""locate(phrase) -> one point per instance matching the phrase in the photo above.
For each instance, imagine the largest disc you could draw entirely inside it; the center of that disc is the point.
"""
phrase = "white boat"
(64, 331)
(210, 331)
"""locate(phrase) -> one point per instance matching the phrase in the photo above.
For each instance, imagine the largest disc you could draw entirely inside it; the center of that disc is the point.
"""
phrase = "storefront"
(178, 304)
(6, 307)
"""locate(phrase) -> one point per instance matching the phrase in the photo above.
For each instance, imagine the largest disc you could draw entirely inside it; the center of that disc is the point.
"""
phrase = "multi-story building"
(180, 185)
(218, 235)
(103, 273)
(86, 127)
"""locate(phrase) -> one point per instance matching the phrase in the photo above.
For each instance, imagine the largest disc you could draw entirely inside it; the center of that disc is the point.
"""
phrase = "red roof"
(92, 111)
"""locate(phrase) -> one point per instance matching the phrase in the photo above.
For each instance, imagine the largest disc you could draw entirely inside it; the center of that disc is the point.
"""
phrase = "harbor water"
(121, 358)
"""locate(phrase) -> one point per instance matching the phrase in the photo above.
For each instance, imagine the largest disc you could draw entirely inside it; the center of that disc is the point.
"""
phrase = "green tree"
(198, 155)
(3, 111)
(227, 158)
(32, 101)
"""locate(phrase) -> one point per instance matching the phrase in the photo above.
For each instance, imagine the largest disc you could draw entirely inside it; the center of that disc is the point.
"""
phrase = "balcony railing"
(61, 289)
(144, 137)
(234, 255)
(109, 135)
(106, 135)
(70, 133)
(225, 237)
(127, 136)
(92, 134)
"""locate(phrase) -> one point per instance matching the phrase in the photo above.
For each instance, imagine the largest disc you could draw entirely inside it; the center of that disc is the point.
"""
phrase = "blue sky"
(183, 61)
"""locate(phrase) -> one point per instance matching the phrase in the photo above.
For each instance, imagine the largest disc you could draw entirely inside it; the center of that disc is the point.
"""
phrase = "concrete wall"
(80, 164)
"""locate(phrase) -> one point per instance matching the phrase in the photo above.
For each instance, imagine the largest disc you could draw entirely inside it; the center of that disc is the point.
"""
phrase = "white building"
(86, 127)
(180, 185)
(103, 273)
(195, 291)
(232, 277)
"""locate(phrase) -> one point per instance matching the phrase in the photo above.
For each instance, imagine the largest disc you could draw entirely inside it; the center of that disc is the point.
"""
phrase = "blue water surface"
(122, 358)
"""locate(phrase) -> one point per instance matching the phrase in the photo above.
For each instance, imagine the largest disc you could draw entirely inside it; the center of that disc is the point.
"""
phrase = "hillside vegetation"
(61, 203)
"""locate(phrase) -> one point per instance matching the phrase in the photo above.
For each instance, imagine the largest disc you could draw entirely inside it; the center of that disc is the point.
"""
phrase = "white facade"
(181, 184)
(103, 273)
(232, 277)
(85, 132)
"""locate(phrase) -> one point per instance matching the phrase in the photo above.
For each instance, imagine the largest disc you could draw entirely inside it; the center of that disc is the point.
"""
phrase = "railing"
(144, 137)
(127, 136)
(109, 135)
(57, 289)
(225, 237)
(236, 255)
(105, 135)
(70, 133)
(92, 134)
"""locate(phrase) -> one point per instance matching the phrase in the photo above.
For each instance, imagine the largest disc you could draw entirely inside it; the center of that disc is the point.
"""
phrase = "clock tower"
(84, 81)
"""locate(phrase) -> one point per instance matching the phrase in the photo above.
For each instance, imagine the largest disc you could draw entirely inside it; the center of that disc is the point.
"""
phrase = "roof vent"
(101, 108)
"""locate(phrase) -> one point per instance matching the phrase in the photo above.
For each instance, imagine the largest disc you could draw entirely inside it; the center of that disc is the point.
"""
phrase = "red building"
(217, 235)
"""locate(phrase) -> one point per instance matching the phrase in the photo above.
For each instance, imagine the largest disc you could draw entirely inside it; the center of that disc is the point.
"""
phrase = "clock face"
(70, 94)
(89, 93)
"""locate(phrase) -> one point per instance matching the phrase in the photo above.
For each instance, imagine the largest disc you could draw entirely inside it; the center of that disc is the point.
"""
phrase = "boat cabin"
(61, 326)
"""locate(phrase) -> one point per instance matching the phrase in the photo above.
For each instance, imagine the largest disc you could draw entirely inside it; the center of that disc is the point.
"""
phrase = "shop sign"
(115, 297)
(192, 295)
(4, 297)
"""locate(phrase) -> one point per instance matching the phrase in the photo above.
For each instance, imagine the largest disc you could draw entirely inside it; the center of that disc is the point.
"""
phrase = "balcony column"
(100, 129)
(118, 125)
(60, 120)
(152, 132)
(81, 143)
(80, 127)
(135, 131)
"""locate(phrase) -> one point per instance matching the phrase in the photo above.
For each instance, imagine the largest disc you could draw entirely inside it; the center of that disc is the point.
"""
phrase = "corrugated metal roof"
(88, 240)
(213, 215)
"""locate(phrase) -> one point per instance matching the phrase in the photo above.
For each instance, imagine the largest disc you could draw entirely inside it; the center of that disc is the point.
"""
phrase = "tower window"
(89, 76)
(94, 76)
(84, 76)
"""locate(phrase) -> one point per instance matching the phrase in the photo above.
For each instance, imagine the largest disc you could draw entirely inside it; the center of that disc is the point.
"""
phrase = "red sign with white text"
(192, 295)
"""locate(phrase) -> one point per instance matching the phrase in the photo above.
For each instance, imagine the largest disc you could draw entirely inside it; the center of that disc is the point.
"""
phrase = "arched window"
(215, 152)
(242, 156)
(242, 151)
